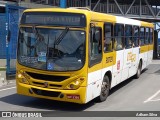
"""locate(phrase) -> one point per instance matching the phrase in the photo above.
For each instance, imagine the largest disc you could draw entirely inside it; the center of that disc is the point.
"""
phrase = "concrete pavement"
(141, 94)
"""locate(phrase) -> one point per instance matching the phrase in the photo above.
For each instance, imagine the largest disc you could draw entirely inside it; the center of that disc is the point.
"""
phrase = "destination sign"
(54, 19)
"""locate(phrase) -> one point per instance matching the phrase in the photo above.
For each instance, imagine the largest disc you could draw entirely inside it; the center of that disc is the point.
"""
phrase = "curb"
(3, 80)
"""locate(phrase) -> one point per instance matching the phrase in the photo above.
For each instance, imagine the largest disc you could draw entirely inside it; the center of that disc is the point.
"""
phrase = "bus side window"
(142, 36)
(95, 45)
(151, 36)
(118, 34)
(147, 36)
(128, 36)
(135, 36)
(108, 42)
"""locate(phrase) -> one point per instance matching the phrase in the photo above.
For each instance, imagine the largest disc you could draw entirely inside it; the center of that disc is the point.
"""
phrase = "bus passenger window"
(147, 36)
(95, 45)
(108, 38)
(142, 36)
(118, 33)
(128, 36)
(151, 36)
(135, 36)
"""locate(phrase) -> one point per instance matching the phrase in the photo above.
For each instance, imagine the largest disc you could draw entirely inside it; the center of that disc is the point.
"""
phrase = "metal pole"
(63, 3)
(118, 7)
(150, 8)
(7, 41)
(140, 9)
(96, 5)
(86, 3)
(158, 13)
(107, 6)
(19, 1)
(90, 4)
(130, 7)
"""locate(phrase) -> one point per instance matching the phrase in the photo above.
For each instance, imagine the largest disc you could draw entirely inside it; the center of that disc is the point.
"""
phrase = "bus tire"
(105, 87)
(137, 75)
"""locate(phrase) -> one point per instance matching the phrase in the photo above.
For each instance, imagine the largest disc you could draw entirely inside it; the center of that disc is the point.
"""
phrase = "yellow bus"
(77, 55)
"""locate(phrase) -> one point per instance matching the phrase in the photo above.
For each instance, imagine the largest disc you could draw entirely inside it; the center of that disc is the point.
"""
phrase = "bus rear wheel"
(138, 70)
(105, 87)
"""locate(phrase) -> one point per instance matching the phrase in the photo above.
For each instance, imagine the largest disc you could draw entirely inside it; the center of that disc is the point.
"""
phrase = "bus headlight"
(24, 81)
(75, 84)
(22, 77)
(19, 75)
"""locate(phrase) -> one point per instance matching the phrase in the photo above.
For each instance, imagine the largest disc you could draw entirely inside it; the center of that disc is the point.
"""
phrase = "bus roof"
(95, 16)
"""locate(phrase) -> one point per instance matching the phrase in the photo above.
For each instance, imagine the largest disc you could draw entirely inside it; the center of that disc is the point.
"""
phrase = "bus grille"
(39, 84)
(46, 93)
(47, 77)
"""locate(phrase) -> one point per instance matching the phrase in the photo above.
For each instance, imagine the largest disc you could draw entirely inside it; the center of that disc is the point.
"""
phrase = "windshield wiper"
(58, 40)
(37, 34)
(39, 37)
(61, 36)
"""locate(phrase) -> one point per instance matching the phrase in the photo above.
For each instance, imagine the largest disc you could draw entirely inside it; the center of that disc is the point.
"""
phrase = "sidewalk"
(157, 61)
(3, 80)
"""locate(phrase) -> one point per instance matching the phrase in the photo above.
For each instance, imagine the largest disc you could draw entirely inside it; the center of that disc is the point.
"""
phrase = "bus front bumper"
(75, 96)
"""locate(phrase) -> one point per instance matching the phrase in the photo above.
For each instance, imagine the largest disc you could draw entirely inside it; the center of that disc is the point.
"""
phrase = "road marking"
(155, 100)
(11, 82)
(7, 89)
(150, 99)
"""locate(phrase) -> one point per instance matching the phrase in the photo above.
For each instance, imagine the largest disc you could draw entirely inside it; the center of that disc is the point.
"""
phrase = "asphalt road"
(141, 94)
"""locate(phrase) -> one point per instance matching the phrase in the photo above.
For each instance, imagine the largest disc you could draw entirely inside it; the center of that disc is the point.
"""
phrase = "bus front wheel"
(105, 87)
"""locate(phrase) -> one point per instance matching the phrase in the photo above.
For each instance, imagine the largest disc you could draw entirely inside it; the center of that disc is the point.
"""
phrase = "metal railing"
(144, 10)
(76, 3)
(70, 3)
(135, 10)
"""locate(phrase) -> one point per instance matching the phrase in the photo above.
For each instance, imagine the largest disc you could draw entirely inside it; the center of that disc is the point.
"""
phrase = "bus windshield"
(51, 49)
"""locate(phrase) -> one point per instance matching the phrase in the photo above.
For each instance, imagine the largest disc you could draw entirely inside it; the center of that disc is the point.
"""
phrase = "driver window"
(108, 43)
(95, 45)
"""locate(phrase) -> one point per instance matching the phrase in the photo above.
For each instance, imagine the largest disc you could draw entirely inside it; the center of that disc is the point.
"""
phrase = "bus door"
(147, 32)
(127, 52)
(150, 46)
(95, 61)
(119, 49)
(135, 51)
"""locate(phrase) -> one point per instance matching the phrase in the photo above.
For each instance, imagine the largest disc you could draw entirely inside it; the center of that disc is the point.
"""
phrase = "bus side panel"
(127, 63)
(134, 61)
(150, 54)
(143, 55)
(97, 73)
(93, 86)
(117, 69)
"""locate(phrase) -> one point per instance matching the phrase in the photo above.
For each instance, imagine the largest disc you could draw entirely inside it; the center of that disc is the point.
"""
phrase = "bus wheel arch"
(105, 87)
(141, 61)
(139, 69)
(109, 74)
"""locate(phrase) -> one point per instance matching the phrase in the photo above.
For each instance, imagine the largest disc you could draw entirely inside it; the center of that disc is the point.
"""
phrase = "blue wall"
(3, 36)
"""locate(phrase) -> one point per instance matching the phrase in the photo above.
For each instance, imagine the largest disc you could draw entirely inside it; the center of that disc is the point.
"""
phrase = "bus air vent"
(46, 93)
(47, 77)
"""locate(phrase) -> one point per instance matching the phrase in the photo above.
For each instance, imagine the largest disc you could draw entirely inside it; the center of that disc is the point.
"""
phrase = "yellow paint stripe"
(146, 24)
(150, 47)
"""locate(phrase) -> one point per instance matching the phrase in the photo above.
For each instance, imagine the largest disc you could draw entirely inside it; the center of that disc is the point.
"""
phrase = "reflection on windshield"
(41, 52)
